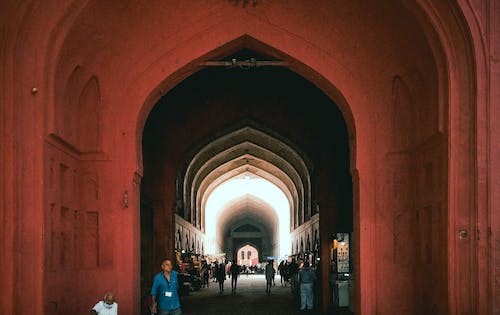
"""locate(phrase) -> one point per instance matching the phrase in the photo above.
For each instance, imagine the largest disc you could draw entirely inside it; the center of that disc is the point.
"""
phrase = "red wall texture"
(415, 81)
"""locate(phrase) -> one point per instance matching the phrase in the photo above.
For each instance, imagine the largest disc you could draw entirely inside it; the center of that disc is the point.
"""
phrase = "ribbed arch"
(246, 149)
(227, 209)
(255, 166)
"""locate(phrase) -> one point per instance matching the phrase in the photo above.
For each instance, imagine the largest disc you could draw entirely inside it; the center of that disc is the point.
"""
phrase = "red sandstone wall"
(491, 186)
(42, 43)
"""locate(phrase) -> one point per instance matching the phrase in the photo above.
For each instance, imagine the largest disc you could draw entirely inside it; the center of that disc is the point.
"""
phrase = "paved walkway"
(250, 298)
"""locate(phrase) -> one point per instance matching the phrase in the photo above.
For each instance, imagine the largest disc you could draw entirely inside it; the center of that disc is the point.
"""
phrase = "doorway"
(247, 255)
(258, 130)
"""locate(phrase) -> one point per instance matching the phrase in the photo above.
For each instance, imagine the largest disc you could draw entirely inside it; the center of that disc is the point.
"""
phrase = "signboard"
(343, 253)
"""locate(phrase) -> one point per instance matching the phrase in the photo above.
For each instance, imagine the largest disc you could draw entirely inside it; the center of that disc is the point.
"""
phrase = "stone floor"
(250, 298)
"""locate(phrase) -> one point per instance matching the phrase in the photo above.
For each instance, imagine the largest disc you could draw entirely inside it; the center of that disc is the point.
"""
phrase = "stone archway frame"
(443, 23)
(446, 100)
(251, 42)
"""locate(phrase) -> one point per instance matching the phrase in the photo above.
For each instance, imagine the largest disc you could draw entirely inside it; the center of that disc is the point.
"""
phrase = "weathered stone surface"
(79, 79)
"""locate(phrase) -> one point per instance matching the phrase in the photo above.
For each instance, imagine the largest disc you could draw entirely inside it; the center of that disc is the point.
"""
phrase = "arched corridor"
(248, 199)
(374, 120)
(239, 179)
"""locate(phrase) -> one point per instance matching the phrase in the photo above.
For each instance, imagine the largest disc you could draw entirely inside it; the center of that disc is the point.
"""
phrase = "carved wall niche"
(81, 132)
(88, 128)
(403, 116)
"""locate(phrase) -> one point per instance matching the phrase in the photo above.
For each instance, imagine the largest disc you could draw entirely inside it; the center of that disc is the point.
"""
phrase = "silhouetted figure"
(293, 270)
(205, 273)
(286, 272)
(269, 271)
(306, 279)
(234, 272)
(213, 269)
(220, 275)
(281, 270)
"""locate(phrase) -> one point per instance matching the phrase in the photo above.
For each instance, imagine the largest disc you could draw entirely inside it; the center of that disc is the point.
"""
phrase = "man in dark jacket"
(234, 271)
(270, 272)
(306, 279)
(220, 275)
(293, 270)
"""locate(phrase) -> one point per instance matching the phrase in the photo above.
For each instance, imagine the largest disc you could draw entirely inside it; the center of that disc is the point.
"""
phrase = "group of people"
(165, 289)
(232, 271)
(300, 279)
(288, 273)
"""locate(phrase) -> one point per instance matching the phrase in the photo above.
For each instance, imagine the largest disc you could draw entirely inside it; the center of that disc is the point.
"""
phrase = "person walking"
(204, 273)
(293, 270)
(269, 271)
(281, 270)
(286, 273)
(164, 293)
(306, 279)
(213, 269)
(234, 272)
(107, 306)
(220, 275)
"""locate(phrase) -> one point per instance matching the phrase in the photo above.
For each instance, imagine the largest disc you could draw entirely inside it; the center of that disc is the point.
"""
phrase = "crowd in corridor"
(170, 283)
(299, 278)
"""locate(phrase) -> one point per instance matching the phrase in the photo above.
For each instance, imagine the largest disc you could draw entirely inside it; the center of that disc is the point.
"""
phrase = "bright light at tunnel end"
(247, 185)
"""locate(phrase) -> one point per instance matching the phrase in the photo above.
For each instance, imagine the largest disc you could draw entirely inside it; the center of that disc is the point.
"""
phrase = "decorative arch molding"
(245, 149)
(262, 169)
(242, 154)
(253, 42)
(77, 120)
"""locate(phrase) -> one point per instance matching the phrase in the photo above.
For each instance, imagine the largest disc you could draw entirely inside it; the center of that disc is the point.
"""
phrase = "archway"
(247, 172)
(445, 28)
(248, 199)
(247, 255)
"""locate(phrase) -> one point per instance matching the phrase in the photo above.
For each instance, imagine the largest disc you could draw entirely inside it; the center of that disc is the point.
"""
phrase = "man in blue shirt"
(164, 292)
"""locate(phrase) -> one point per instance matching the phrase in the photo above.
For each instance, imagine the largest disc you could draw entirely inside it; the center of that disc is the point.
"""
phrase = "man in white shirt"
(107, 306)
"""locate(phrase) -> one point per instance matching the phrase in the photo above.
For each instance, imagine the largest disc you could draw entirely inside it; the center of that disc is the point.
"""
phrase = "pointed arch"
(245, 149)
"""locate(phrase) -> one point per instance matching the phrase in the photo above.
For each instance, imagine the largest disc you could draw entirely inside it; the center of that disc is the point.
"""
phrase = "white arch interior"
(257, 167)
(249, 186)
(243, 149)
